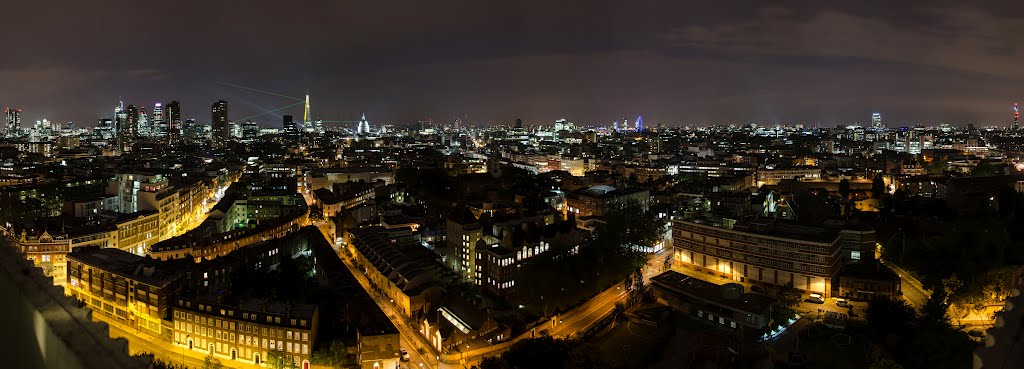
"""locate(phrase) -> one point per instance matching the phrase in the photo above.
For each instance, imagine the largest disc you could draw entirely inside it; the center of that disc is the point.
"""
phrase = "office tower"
(876, 120)
(250, 130)
(219, 125)
(519, 123)
(318, 126)
(615, 126)
(639, 123)
(174, 121)
(13, 117)
(158, 126)
(144, 128)
(120, 118)
(1016, 116)
(625, 124)
(290, 128)
(190, 131)
(131, 125)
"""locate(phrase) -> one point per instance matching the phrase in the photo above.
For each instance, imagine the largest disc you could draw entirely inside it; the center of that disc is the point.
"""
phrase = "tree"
(278, 359)
(211, 362)
(789, 296)
(877, 186)
(886, 315)
(885, 363)
(334, 355)
(844, 188)
(934, 311)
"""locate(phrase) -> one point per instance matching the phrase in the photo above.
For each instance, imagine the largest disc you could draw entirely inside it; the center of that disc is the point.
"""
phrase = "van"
(816, 298)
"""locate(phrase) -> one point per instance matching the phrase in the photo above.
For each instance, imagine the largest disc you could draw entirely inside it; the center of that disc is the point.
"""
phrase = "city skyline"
(675, 64)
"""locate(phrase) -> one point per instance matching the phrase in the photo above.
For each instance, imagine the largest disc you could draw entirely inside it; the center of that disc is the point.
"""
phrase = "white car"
(843, 303)
(405, 355)
(816, 298)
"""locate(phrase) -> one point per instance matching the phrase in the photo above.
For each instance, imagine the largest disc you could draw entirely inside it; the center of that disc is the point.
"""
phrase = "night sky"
(817, 62)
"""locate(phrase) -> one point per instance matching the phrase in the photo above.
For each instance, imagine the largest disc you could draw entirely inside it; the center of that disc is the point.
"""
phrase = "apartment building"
(247, 332)
(760, 251)
(126, 288)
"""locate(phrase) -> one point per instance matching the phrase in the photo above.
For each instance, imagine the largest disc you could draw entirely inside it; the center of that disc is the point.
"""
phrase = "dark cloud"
(591, 61)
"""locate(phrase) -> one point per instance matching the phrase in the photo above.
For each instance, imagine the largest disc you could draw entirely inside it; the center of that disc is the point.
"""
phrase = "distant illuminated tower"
(1016, 116)
(131, 124)
(144, 128)
(876, 120)
(158, 128)
(639, 123)
(13, 117)
(363, 127)
(219, 123)
(120, 118)
(615, 126)
(305, 114)
(174, 121)
(625, 124)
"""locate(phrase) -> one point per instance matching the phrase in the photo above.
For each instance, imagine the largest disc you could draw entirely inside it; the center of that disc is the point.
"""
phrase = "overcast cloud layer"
(490, 62)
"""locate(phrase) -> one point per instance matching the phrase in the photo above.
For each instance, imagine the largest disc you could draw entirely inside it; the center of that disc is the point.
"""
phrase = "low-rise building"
(247, 332)
(725, 305)
(126, 288)
(598, 200)
(760, 251)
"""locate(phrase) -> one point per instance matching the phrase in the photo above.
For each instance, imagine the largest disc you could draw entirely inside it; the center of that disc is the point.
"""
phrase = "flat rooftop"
(683, 284)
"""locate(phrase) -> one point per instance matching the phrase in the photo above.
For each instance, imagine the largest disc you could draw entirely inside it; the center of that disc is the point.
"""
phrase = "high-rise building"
(190, 131)
(876, 120)
(1016, 116)
(519, 123)
(250, 130)
(290, 128)
(219, 125)
(120, 118)
(131, 125)
(639, 123)
(174, 121)
(144, 129)
(306, 118)
(158, 128)
(13, 118)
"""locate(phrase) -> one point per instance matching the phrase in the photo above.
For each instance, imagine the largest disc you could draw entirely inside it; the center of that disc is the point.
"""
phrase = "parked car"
(816, 298)
(843, 303)
(405, 356)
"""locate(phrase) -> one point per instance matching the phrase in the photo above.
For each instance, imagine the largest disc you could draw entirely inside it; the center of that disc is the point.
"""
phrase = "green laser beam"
(258, 90)
(271, 111)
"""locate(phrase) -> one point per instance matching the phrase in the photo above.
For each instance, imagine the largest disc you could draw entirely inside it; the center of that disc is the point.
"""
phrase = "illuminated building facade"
(760, 252)
(126, 288)
(246, 332)
(13, 118)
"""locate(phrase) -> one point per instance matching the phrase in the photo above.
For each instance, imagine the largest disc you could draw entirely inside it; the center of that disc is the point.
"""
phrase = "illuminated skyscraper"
(13, 118)
(143, 123)
(876, 120)
(159, 127)
(131, 125)
(174, 121)
(639, 123)
(219, 125)
(305, 114)
(1016, 116)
